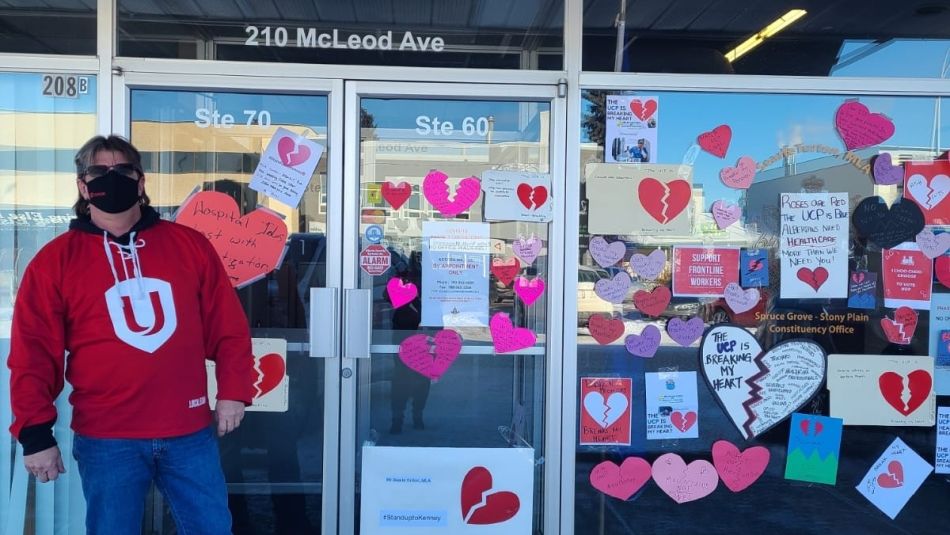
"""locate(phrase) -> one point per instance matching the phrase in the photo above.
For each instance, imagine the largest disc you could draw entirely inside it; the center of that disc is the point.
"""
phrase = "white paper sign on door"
(672, 405)
(517, 196)
(814, 245)
(943, 440)
(286, 167)
(888, 390)
(455, 274)
(271, 382)
(447, 490)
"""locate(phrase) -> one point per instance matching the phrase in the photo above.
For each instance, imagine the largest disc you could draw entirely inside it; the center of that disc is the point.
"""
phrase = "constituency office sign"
(282, 37)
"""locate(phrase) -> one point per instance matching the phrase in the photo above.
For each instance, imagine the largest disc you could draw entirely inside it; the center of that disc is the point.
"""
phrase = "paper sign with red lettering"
(250, 246)
(888, 390)
(894, 478)
(622, 481)
(814, 245)
(606, 411)
(517, 196)
(704, 271)
(269, 375)
(286, 167)
(928, 185)
(672, 405)
(908, 277)
(646, 199)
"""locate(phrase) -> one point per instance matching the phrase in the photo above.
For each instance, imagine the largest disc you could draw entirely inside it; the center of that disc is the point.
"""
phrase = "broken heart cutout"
(928, 193)
(643, 110)
(396, 194)
(436, 190)
(268, 372)
(605, 412)
(891, 384)
(532, 197)
(716, 141)
(893, 478)
(682, 422)
(605, 329)
(664, 201)
(814, 278)
(431, 358)
(291, 154)
(505, 270)
(738, 470)
(900, 330)
(622, 481)
(480, 505)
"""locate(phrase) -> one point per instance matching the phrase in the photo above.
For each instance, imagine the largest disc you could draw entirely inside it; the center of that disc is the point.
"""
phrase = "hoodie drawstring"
(126, 252)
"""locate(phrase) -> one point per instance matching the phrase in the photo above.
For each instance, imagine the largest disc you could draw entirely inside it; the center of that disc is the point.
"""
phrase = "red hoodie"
(137, 321)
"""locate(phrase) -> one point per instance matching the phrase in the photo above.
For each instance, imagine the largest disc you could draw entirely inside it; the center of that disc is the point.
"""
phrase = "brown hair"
(87, 153)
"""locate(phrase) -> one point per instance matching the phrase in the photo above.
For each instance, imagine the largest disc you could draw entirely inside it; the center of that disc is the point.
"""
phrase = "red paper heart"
(505, 270)
(942, 269)
(605, 329)
(664, 201)
(901, 329)
(891, 384)
(643, 110)
(716, 142)
(269, 373)
(532, 197)
(396, 194)
(249, 246)
(813, 278)
(498, 506)
(893, 478)
(652, 303)
(681, 421)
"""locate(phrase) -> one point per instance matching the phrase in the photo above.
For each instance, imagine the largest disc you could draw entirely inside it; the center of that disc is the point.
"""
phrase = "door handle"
(324, 322)
(358, 318)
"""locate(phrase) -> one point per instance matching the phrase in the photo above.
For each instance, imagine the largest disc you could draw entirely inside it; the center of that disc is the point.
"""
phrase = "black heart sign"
(888, 227)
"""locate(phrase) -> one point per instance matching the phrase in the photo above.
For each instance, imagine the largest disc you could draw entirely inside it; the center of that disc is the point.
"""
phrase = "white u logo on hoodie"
(142, 312)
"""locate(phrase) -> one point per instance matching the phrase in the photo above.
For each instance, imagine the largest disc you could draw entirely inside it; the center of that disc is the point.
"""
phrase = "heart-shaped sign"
(622, 481)
(249, 246)
(480, 505)
(605, 411)
(919, 383)
(738, 470)
(942, 270)
(532, 197)
(643, 110)
(888, 227)
(740, 300)
(682, 482)
(933, 245)
(604, 329)
(268, 373)
(606, 254)
(401, 293)
(900, 330)
(529, 290)
(859, 128)
(928, 193)
(885, 172)
(432, 360)
(740, 176)
(527, 249)
(436, 191)
(506, 337)
(505, 270)
(893, 478)
(758, 389)
(613, 290)
(649, 266)
(664, 200)
(725, 214)
(291, 154)
(683, 421)
(652, 303)
(644, 344)
(685, 333)
(813, 277)
(396, 194)
(716, 141)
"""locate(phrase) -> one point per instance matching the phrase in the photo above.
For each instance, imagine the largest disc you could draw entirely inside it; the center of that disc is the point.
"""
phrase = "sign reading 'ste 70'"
(279, 36)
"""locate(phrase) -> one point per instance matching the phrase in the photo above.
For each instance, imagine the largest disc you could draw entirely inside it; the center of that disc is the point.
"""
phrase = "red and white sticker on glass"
(928, 185)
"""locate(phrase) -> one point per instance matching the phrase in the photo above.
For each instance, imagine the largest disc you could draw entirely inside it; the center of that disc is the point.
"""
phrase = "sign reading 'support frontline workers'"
(704, 271)
(814, 245)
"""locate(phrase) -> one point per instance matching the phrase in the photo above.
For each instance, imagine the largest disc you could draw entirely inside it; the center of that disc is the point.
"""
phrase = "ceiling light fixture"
(773, 28)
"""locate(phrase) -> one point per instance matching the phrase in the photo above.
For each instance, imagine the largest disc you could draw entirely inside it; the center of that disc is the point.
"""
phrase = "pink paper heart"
(682, 482)
(859, 128)
(622, 481)
(291, 154)
(606, 254)
(725, 214)
(506, 337)
(886, 173)
(685, 333)
(933, 245)
(613, 290)
(644, 344)
(740, 176)
(529, 291)
(527, 249)
(740, 300)
(649, 266)
(436, 191)
(400, 293)
(739, 470)
(431, 361)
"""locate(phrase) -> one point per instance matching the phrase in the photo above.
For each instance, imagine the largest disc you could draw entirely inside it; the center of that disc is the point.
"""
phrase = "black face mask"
(113, 192)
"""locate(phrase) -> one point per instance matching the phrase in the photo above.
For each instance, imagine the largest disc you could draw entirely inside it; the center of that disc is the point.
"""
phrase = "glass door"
(451, 271)
(202, 142)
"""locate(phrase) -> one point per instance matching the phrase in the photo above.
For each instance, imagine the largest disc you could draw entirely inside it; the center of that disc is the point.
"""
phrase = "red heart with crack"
(681, 421)
(643, 110)
(268, 373)
(891, 384)
(480, 505)
(664, 201)
(814, 278)
(532, 197)
(893, 478)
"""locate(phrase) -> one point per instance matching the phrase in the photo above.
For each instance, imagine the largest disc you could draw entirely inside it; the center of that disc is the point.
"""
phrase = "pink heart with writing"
(716, 141)
(622, 481)
(506, 337)
(291, 153)
(725, 214)
(431, 359)
(740, 300)
(649, 266)
(401, 293)
(644, 344)
(527, 249)
(738, 469)
(859, 128)
(682, 422)
(740, 176)
(613, 290)
(436, 191)
(529, 290)
(682, 482)
(606, 254)
(933, 245)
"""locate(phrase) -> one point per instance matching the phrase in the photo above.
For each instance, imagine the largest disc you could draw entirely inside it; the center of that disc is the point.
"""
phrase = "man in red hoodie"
(129, 307)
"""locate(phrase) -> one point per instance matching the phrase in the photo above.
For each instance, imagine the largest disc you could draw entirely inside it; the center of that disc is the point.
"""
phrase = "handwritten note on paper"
(814, 245)
(894, 478)
(606, 414)
(884, 390)
(249, 246)
(943, 440)
(648, 199)
(672, 406)
(286, 167)
(517, 196)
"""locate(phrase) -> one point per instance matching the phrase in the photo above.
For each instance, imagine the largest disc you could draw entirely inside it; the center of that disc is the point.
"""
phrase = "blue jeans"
(116, 475)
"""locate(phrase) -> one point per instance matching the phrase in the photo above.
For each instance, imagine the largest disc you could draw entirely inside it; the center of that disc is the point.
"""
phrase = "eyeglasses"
(125, 169)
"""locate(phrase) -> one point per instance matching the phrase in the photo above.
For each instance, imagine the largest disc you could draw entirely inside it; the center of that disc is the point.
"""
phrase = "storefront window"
(834, 38)
(476, 34)
(708, 219)
(38, 27)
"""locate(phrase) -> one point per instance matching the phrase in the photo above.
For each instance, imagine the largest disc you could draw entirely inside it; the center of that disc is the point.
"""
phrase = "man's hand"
(46, 465)
(229, 415)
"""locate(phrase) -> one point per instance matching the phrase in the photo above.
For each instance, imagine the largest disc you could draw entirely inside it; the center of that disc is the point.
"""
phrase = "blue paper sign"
(754, 267)
(862, 290)
(814, 444)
